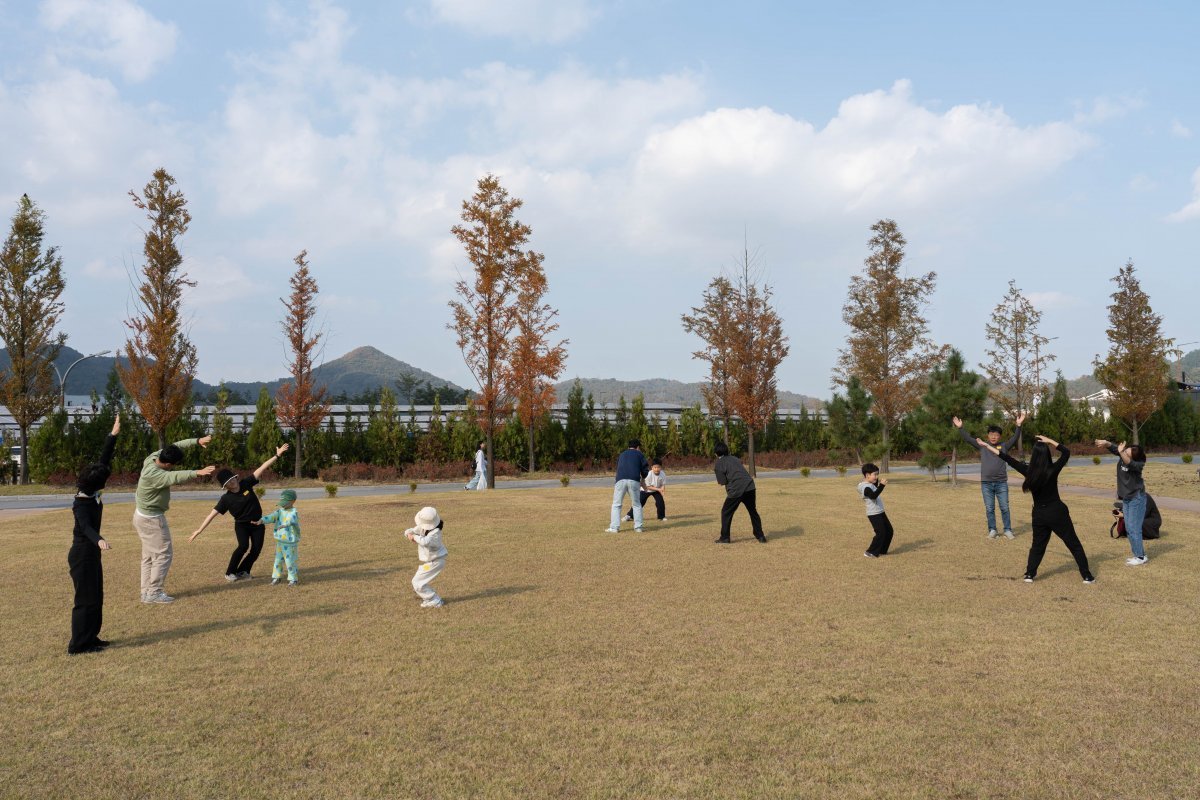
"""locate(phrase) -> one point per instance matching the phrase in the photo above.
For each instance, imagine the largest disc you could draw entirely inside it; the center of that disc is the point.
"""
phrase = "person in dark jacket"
(739, 490)
(1050, 513)
(631, 471)
(84, 557)
(1131, 490)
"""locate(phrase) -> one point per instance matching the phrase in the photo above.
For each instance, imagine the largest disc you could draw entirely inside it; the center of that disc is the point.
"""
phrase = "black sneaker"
(719, 540)
(761, 539)
(869, 554)
(101, 643)
(1090, 579)
(1028, 578)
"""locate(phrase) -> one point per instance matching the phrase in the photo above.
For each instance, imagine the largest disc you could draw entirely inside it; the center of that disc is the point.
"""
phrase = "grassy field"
(571, 663)
(1167, 480)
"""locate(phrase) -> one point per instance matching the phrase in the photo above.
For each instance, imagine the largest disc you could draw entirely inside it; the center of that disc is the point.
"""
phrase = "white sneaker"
(230, 578)
(158, 597)
(664, 519)
(1008, 534)
(992, 534)
(274, 581)
(611, 530)
(433, 603)
(1135, 561)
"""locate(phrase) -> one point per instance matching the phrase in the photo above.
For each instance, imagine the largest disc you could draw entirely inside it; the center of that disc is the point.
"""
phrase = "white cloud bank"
(1192, 210)
(118, 33)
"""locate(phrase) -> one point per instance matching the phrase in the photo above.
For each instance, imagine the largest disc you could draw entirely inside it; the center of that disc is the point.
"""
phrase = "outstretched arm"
(258, 473)
(1004, 456)
(110, 443)
(211, 516)
(962, 432)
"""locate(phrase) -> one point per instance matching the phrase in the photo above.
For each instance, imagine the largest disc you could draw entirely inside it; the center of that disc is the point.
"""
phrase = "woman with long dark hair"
(1050, 513)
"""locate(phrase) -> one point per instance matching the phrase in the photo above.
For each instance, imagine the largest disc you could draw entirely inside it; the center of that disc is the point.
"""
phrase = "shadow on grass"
(908, 547)
(499, 591)
(268, 622)
(1105, 558)
(786, 533)
(306, 575)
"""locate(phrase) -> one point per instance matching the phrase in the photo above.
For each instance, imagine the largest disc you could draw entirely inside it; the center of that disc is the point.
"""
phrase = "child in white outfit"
(431, 552)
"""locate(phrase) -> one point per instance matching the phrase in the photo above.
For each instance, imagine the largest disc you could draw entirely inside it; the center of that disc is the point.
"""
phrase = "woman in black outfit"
(84, 556)
(1050, 513)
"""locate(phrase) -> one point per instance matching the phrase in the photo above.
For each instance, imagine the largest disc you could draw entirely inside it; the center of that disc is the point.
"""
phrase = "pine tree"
(954, 391)
(264, 434)
(31, 285)
(851, 425)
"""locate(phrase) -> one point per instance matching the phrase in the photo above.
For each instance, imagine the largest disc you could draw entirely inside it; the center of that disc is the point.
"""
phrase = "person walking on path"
(240, 498)
(993, 474)
(84, 557)
(739, 490)
(1050, 513)
(871, 488)
(632, 468)
(286, 520)
(1131, 490)
(478, 481)
(431, 552)
(153, 498)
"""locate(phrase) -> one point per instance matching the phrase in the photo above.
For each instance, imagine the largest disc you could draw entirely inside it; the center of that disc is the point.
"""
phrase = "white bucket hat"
(427, 518)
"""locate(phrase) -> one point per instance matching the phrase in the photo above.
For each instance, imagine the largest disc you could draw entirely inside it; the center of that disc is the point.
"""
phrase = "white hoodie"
(429, 543)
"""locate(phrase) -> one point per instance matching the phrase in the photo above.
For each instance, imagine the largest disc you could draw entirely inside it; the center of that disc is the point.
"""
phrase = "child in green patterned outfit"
(287, 538)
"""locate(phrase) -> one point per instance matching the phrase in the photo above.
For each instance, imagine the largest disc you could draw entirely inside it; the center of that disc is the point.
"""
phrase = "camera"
(1116, 512)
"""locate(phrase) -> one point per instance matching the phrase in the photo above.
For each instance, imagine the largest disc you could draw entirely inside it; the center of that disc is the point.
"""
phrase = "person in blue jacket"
(632, 468)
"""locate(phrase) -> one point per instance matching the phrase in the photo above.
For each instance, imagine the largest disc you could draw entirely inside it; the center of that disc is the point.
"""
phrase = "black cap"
(223, 476)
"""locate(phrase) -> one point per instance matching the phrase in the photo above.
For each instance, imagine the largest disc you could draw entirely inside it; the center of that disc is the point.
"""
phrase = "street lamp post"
(62, 377)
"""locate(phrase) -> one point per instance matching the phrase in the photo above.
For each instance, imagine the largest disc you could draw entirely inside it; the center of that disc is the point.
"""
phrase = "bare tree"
(888, 348)
(1136, 370)
(162, 360)
(1016, 358)
(31, 285)
(301, 405)
(486, 315)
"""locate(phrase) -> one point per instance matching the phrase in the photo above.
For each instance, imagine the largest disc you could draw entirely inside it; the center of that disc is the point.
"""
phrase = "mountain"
(660, 390)
(361, 370)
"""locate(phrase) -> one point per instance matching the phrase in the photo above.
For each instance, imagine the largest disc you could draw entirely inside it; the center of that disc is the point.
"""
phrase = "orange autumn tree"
(161, 358)
(712, 322)
(486, 315)
(535, 362)
(300, 405)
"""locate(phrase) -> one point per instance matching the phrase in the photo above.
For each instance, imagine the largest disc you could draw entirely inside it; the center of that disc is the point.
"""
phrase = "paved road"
(969, 472)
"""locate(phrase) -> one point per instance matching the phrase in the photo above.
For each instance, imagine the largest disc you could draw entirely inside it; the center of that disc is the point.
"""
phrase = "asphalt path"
(969, 472)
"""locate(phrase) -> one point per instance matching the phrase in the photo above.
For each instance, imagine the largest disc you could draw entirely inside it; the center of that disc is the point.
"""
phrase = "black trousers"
(249, 545)
(883, 534)
(731, 503)
(1055, 519)
(659, 503)
(88, 614)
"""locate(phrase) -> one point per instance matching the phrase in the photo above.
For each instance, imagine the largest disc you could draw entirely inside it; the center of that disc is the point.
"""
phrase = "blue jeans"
(620, 489)
(1134, 510)
(993, 491)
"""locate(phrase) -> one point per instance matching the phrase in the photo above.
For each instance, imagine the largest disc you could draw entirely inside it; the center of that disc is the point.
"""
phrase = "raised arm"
(1016, 433)
(966, 437)
(110, 443)
(258, 473)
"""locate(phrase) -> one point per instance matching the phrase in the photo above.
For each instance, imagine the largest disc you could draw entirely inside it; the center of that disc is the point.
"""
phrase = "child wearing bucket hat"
(239, 497)
(427, 534)
(287, 538)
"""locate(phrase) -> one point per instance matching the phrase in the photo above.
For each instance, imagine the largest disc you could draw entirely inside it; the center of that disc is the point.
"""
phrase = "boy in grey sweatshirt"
(993, 473)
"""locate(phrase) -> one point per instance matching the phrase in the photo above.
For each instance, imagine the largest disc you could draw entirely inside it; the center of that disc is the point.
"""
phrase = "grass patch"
(1166, 480)
(571, 663)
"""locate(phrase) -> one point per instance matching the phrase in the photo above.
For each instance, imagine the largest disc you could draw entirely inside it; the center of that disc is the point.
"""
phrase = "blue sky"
(1043, 145)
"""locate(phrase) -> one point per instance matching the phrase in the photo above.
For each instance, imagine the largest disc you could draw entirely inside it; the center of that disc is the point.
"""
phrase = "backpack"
(1150, 525)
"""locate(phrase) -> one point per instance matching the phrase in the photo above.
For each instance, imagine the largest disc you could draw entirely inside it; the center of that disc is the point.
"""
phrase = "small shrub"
(412, 486)
(1095, 459)
(841, 470)
(565, 480)
(331, 489)
(805, 471)
(260, 491)
(1187, 458)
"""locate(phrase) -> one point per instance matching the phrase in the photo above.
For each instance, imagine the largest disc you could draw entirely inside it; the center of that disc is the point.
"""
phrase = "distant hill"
(361, 370)
(661, 390)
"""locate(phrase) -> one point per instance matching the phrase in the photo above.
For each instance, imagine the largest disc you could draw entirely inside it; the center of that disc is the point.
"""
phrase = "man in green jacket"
(150, 514)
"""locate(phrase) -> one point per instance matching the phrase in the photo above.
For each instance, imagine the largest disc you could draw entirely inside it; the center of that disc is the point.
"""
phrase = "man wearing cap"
(240, 498)
(150, 513)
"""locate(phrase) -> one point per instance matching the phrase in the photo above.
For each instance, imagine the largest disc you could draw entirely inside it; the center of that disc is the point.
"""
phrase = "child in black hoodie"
(84, 556)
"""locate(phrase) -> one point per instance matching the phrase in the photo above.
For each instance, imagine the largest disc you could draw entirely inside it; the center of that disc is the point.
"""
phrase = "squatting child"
(287, 538)
(431, 552)
(654, 485)
(871, 488)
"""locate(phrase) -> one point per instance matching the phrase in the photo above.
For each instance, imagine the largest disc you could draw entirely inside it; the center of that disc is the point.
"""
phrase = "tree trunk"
(299, 447)
(489, 470)
(954, 466)
(530, 439)
(750, 451)
(24, 474)
(1135, 431)
(887, 448)
(162, 438)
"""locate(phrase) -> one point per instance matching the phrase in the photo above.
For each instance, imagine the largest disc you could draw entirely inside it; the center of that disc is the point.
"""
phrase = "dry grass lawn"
(571, 663)
(1167, 480)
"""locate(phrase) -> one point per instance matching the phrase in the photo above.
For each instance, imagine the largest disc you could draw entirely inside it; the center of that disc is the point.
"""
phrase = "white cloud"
(1102, 109)
(1179, 130)
(116, 32)
(536, 20)
(1192, 210)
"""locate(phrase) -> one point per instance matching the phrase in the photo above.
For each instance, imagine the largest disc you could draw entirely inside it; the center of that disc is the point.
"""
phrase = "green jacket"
(154, 485)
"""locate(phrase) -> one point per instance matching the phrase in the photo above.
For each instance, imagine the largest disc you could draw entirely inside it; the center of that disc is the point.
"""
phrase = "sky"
(650, 141)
